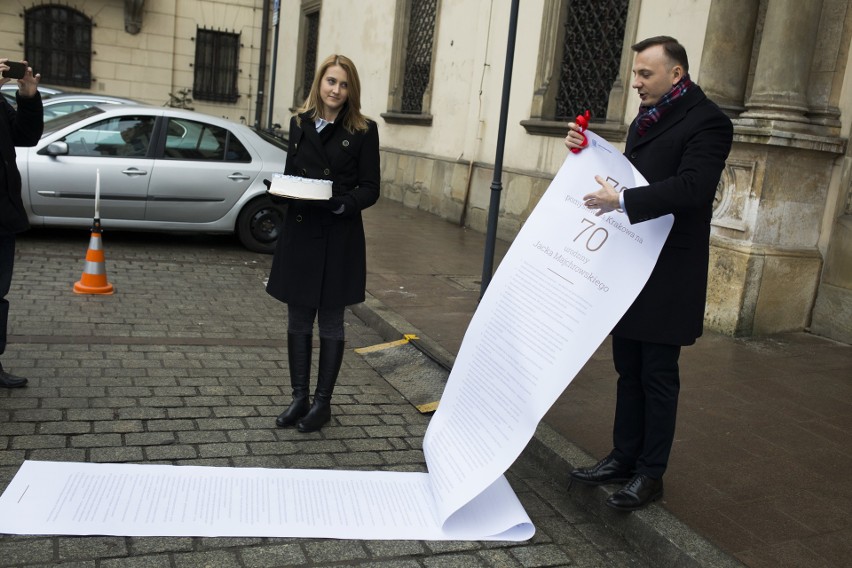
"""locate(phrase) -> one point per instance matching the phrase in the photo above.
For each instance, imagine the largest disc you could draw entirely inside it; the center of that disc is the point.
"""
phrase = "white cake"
(300, 188)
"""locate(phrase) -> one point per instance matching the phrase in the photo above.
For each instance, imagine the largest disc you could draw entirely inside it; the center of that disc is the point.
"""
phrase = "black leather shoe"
(639, 492)
(605, 471)
(11, 381)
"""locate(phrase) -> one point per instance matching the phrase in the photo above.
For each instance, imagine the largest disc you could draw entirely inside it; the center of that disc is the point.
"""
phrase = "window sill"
(610, 131)
(410, 119)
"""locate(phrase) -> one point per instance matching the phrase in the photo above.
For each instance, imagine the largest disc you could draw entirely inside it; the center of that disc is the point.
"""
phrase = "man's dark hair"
(673, 49)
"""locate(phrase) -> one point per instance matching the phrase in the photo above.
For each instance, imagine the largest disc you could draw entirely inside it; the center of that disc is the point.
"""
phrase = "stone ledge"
(759, 249)
(787, 135)
(612, 132)
(405, 118)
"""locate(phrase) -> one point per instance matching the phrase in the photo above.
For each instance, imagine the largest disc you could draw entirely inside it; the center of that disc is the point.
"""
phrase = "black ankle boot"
(10, 381)
(330, 359)
(299, 359)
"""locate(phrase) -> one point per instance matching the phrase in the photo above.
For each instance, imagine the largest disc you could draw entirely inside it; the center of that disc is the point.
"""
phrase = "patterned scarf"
(649, 116)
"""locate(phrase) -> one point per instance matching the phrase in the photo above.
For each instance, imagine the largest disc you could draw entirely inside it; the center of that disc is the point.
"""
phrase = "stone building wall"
(148, 65)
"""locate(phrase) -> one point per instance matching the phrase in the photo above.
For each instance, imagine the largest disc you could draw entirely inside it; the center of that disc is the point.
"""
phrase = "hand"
(604, 200)
(3, 69)
(575, 140)
(332, 204)
(28, 86)
(341, 205)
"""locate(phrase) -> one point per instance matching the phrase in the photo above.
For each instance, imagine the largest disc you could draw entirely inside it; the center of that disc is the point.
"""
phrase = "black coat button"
(326, 171)
(298, 218)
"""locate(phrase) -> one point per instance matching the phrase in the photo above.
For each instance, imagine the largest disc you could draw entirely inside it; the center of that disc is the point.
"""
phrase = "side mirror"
(56, 149)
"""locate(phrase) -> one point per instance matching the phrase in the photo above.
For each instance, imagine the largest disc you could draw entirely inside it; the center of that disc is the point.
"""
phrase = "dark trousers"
(300, 321)
(646, 407)
(7, 262)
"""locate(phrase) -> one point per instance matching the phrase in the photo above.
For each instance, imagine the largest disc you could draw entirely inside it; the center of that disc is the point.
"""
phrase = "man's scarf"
(649, 116)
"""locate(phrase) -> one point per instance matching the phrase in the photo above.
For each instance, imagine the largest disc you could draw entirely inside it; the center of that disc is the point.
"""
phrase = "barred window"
(217, 61)
(418, 55)
(310, 46)
(591, 53)
(58, 44)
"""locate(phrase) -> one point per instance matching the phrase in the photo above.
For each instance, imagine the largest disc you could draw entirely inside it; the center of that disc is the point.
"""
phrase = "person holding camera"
(320, 264)
(18, 127)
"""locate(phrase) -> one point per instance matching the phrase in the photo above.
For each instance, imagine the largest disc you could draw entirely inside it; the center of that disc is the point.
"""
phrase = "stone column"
(779, 90)
(727, 51)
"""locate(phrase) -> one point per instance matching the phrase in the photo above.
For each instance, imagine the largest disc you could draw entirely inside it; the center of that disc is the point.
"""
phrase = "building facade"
(432, 74)
(432, 77)
(206, 55)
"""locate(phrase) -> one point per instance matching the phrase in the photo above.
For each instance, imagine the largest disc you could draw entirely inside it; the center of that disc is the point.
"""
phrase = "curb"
(391, 326)
(657, 534)
(654, 532)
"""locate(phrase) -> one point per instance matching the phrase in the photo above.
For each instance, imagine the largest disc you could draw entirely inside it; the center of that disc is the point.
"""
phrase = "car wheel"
(259, 224)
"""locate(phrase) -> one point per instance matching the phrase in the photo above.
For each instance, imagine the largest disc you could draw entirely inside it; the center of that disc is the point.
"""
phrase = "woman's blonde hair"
(352, 118)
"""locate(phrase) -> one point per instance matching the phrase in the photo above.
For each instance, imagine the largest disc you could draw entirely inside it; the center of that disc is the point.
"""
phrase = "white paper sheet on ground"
(164, 500)
(562, 286)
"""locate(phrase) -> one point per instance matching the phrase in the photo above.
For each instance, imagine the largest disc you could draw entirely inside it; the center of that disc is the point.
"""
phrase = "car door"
(203, 171)
(64, 185)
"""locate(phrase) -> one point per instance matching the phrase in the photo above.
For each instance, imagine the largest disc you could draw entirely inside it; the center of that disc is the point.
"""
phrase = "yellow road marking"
(381, 346)
(428, 407)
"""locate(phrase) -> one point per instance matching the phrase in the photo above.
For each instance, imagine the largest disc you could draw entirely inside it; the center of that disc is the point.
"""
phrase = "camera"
(17, 70)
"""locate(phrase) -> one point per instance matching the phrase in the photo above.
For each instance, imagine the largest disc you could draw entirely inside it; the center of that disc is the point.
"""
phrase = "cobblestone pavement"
(186, 364)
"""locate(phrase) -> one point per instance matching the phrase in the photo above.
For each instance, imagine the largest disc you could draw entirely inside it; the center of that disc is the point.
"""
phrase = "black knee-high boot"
(330, 359)
(299, 359)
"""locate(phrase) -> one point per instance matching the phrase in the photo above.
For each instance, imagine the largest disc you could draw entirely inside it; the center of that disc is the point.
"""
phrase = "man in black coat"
(21, 127)
(679, 142)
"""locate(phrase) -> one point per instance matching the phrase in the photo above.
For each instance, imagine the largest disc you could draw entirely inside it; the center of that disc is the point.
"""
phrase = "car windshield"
(62, 121)
(274, 139)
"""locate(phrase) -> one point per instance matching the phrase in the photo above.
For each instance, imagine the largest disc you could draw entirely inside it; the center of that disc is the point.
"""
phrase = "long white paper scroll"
(564, 283)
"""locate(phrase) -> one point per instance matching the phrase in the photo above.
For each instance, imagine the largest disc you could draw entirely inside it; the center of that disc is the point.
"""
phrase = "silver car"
(161, 169)
(10, 90)
(61, 104)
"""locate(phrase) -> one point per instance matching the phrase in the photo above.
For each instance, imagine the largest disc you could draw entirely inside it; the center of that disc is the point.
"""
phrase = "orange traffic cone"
(94, 279)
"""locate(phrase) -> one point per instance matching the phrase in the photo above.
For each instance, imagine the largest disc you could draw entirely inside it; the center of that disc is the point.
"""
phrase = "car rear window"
(272, 138)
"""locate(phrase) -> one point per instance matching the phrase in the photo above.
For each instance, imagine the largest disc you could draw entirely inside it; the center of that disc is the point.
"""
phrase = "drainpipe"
(261, 75)
(276, 9)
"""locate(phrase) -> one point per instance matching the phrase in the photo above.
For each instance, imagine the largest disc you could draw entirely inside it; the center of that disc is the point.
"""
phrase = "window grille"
(311, 40)
(217, 62)
(58, 44)
(418, 55)
(591, 55)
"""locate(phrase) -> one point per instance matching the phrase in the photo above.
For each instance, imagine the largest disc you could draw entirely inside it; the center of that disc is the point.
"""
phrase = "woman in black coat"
(320, 264)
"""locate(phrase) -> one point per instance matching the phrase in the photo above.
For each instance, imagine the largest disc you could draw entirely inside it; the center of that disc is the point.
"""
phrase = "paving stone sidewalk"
(186, 364)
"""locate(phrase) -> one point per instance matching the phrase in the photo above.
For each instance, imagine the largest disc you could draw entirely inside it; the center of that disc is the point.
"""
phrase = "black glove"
(341, 205)
(332, 204)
